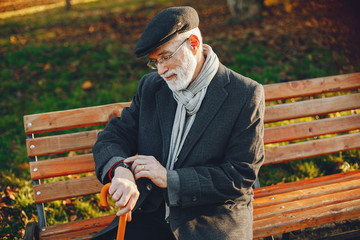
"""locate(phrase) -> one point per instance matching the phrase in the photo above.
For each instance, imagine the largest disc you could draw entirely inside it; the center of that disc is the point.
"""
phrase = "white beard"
(183, 73)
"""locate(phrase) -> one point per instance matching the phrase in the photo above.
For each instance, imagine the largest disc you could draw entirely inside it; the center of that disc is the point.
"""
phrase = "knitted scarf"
(189, 101)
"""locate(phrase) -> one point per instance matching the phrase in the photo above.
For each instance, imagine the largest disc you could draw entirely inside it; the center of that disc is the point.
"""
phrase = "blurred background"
(64, 54)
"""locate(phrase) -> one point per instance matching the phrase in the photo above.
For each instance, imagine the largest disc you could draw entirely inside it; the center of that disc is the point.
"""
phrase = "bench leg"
(31, 231)
(269, 238)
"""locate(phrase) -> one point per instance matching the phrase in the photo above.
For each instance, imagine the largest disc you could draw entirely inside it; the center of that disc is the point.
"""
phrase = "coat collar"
(166, 108)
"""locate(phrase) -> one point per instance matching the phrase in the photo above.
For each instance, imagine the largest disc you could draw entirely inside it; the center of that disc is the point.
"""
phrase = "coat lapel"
(214, 98)
(166, 108)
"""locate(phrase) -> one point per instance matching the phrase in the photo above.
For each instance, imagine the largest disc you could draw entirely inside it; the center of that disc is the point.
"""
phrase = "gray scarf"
(189, 101)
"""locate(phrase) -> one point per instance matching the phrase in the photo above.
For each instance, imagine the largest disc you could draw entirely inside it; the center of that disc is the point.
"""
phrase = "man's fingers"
(122, 202)
(143, 174)
(129, 217)
(129, 206)
(134, 158)
(116, 196)
(122, 211)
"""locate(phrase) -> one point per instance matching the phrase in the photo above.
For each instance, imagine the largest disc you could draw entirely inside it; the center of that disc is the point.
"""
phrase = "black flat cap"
(166, 25)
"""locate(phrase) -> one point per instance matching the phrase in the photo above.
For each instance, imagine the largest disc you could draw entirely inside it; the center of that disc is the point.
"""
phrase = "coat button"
(149, 186)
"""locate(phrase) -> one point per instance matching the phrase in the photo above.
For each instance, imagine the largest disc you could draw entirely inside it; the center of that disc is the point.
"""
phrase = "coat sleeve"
(118, 140)
(243, 156)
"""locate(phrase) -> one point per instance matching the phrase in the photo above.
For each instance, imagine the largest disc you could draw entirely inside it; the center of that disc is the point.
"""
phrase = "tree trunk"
(68, 4)
(245, 9)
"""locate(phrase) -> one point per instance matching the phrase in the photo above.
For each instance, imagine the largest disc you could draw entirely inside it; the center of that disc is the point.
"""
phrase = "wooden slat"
(76, 230)
(62, 166)
(311, 129)
(306, 203)
(61, 143)
(288, 222)
(75, 235)
(66, 189)
(81, 117)
(306, 193)
(311, 86)
(312, 148)
(311, 107)
(307, 183)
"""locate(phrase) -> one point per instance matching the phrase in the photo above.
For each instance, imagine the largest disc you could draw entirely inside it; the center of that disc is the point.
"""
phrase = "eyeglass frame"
(153, 64)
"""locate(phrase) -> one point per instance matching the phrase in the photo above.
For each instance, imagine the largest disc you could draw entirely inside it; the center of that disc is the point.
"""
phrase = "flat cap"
(165, 26)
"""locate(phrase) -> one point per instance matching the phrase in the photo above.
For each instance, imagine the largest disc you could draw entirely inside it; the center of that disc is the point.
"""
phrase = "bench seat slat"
(312, 148)
(62, 166)
(312, 86)
(308, 183)
(311, 107)
(306, 203)
(306, 193)
(56, 231)
(81, 117)
(63, 231)
(61, 143)
(82, 234)
(66, 189)
(311, 129)
(288, 222)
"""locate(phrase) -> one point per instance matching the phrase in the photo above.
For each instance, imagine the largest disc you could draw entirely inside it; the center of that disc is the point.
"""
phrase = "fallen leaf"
(47, 67)
(86, 85)
(23, 166)
(13, 39)
(72, 154)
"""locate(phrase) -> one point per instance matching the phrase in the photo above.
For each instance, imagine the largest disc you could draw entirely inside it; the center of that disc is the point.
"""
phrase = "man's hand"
(148, 167)
(124, 191)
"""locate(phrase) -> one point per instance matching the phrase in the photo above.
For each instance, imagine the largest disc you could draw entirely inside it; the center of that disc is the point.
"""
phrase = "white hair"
(195, 31)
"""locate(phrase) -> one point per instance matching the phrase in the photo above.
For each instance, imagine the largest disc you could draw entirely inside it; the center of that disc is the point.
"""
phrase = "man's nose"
(161, 69)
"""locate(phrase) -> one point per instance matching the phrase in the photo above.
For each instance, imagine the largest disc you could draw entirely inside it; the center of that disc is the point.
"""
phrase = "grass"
(57, 60)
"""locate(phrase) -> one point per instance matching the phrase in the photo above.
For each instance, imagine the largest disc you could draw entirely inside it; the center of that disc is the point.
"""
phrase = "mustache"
(169, 73)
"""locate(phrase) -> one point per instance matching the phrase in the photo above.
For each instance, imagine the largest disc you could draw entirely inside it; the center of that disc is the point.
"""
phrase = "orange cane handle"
(122, 219)
(103, 195)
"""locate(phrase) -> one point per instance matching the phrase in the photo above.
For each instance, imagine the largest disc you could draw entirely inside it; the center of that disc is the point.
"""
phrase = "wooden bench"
(278, 208)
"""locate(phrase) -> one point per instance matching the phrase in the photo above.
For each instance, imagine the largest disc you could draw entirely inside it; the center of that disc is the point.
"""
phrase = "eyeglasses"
(153, 64)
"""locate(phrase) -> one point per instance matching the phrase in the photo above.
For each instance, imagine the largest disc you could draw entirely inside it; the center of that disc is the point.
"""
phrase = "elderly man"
(184, 156)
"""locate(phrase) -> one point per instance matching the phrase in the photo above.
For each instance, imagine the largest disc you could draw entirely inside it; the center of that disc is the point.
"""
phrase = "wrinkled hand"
(124, 191)
(148, 167)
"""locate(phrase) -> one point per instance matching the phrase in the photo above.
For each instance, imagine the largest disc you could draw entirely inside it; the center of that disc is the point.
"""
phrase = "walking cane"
(122, 219)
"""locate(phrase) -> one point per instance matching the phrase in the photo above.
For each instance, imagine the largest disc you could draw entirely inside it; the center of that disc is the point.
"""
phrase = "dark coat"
(218, 163)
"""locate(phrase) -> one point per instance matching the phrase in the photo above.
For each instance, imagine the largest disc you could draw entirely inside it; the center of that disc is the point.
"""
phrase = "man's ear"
(195, 43)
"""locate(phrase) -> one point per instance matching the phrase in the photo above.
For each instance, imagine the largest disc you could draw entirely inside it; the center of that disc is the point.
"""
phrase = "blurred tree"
(245, 9)
(68, 4)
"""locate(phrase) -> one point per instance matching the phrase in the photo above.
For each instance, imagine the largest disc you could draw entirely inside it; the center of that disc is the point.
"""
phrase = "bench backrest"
(302, 120)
